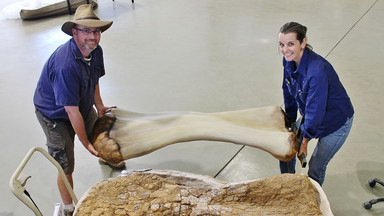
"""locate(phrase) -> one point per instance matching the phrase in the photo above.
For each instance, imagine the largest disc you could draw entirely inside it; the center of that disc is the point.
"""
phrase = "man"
(68, 89)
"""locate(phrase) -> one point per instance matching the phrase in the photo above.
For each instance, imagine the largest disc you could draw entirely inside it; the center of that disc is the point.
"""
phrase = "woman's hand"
(303, 147)
(302, 154)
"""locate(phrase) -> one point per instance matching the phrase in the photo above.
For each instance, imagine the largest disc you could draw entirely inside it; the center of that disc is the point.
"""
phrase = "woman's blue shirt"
(315, 90)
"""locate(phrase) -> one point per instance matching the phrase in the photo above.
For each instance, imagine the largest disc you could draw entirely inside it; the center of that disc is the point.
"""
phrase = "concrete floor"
(206, 56)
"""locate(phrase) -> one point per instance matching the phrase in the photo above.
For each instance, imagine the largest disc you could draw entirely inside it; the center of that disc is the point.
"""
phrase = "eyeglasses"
(88, 32)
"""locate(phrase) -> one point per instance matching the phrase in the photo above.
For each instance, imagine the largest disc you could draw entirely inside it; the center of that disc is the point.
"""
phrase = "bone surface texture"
(165, 192)
(121, 135)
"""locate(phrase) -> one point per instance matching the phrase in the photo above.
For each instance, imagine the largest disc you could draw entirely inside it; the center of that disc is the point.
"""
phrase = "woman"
(311, 85)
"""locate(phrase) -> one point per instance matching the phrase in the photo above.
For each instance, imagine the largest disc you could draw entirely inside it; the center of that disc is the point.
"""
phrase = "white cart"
(18, 181)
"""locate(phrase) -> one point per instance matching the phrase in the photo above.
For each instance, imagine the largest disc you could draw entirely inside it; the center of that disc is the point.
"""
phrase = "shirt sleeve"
(100, 62)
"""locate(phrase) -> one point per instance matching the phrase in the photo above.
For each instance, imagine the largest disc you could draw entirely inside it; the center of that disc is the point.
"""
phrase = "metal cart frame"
(18, 180)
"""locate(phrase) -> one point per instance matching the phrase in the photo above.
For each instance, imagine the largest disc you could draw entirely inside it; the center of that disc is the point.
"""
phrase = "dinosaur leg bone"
(121, 135)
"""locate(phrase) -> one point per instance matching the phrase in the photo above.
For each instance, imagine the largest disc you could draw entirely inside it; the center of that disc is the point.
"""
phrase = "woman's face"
(290, 47)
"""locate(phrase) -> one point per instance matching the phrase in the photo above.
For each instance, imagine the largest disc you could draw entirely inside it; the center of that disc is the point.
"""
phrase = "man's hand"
(79, 128)
(102, 110)
(92, 150)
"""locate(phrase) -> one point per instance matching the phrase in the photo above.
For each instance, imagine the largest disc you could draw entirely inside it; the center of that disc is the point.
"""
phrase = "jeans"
(324, 151)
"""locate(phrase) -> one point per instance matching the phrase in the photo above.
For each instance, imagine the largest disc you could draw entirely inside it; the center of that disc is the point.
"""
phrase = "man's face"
(86, 38)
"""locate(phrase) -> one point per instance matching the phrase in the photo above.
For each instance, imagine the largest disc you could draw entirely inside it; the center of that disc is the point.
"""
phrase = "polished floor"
(206, 56)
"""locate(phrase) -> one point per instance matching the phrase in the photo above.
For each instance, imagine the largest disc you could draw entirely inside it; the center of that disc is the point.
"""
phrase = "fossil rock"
(165, 192)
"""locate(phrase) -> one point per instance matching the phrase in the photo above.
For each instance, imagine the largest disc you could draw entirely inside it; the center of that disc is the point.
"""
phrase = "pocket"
(51, 131)
(302, 96)
(292, 89)
(49, 123)
(55, 137)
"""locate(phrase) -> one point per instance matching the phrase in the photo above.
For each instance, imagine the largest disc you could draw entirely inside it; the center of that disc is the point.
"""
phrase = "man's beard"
(88, 48)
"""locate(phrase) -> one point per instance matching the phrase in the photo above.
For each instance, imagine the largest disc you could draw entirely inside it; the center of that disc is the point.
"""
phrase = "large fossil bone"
(121, 135)
(166, 192)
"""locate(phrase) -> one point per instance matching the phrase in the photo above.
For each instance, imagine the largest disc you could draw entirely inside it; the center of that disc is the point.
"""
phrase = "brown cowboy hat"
(85, 16)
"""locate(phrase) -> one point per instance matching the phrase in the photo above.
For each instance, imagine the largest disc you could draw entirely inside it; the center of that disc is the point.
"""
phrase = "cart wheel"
(372, 182)
(367, 205)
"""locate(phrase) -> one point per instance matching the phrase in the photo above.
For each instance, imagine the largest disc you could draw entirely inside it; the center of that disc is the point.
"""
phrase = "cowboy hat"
(85, 16)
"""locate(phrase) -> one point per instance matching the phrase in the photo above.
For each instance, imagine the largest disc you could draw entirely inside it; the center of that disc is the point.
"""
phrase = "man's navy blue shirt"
(315, 89)
(68, 80)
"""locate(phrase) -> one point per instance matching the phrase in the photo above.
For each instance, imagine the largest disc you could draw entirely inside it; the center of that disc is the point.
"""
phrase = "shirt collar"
(303, 62)
(294, 70)
(75, 50)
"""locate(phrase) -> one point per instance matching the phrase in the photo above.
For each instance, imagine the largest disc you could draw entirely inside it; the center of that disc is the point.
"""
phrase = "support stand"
(372, 183)
(70, 10)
